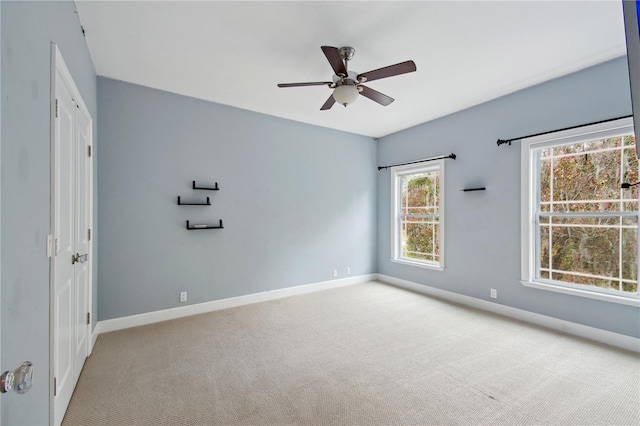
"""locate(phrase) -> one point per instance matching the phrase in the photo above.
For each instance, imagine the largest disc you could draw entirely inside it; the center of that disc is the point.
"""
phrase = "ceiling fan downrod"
(347, 53)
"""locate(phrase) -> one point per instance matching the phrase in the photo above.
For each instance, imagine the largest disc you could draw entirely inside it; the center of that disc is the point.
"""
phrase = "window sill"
(419, 264)
(624, 300)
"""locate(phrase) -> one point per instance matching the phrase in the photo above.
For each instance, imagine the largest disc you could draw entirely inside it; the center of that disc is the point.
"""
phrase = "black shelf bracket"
(473, 189)
(197, 227)
(215, 188)
(207, 203)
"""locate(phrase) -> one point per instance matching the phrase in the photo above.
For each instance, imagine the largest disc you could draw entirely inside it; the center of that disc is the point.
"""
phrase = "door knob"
(19, 380)
(79, 258)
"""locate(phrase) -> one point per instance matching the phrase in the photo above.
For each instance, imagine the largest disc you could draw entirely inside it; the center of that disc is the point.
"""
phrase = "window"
(579, 228)
(418, 228)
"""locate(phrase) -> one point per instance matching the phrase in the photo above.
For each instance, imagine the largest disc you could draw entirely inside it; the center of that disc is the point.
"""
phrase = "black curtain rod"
(452, 156)
(503, 141)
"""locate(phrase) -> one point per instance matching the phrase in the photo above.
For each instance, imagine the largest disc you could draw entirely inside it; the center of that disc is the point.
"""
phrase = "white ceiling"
(234, 53)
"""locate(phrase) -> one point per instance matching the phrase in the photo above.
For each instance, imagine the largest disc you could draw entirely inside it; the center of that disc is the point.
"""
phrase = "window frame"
(397, 173)
(529, 195)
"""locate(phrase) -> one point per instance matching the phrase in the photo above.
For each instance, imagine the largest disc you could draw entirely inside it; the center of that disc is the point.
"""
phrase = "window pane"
(545, 180)
(590, 176)
(630, 253)
(612, 221)
(568, 277)
(546, 153)
(436, 243)
(593, 251)
(588, 206)
(630, 175)
(544, 246)
(590, 146)
(420, 193)
(420, 239)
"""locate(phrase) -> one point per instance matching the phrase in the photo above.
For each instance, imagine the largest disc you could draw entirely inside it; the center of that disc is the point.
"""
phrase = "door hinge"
(55, 386)
(49, 245)
(56, 247)
(56, 108)
(89, 234)
(89, 150)
(88, 318)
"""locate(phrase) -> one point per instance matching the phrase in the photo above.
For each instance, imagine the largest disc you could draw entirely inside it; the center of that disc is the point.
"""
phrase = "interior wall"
(297, 201)
(482, 229)
(28, 28)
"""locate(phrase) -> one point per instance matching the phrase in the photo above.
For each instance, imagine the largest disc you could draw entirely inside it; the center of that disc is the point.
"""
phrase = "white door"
(63, 312)
(71, 223)
(0, 221)
(0, 197)
(81, 240)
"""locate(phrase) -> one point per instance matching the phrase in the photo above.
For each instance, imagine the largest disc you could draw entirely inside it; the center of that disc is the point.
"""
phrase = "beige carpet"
(368, 354)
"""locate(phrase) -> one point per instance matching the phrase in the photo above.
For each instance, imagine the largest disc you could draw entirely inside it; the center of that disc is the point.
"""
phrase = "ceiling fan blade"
(313, 83)
(390, 71)
(335, 59)
(328, 104)
(376, 96)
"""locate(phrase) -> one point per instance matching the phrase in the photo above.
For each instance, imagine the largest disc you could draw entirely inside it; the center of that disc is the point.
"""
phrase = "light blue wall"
(297, 201)
(28, 28)
(482, 229)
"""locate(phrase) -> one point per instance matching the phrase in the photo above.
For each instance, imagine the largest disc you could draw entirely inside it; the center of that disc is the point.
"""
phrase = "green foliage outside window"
(420, 231)
(599, 250)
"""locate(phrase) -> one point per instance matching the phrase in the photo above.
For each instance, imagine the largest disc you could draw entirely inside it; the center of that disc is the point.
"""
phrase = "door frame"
(0, 204)
(58, 66)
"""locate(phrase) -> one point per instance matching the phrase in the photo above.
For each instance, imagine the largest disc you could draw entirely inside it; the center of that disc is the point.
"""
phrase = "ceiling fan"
(347, 85)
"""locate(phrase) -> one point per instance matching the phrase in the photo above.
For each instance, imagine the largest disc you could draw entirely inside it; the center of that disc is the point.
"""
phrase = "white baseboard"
(592, 333)
(215, 305)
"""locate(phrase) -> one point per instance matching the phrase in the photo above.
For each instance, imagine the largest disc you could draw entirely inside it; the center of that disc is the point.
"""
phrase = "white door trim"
(58, 67)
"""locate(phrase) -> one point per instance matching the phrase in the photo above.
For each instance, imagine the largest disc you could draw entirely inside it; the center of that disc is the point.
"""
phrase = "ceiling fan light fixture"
(345, 94)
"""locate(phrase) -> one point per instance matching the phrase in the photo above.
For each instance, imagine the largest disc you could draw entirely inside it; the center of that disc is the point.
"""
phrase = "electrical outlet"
(494, 293)
(348, 270)
(183, 296)
(335, 272)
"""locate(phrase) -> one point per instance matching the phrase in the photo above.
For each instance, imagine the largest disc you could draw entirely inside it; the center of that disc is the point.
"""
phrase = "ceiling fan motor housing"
(351, 78)
(347, 53)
